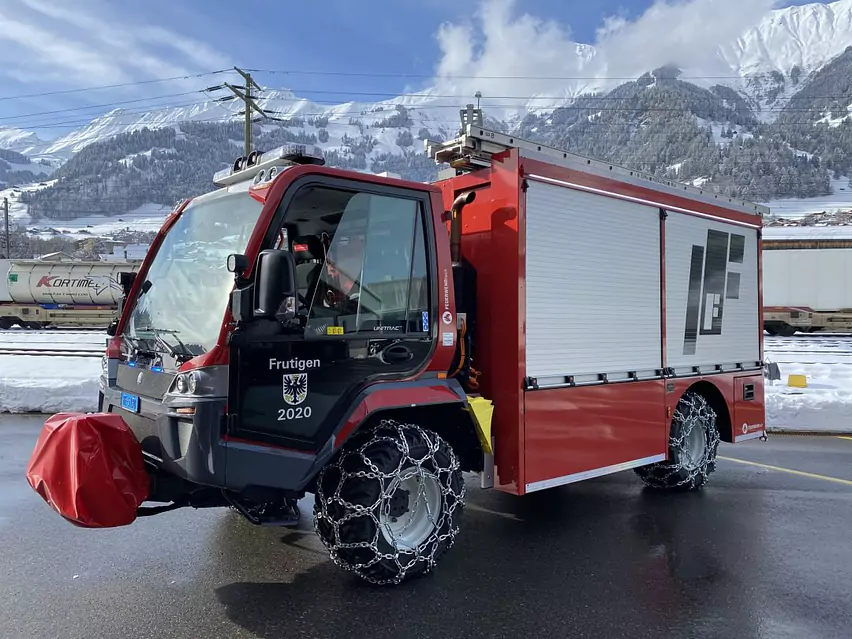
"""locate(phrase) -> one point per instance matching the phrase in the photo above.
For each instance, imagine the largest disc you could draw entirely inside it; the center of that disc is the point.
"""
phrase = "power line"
(593, 110)
(584, 96)
(113, 86)
(78, 122)
(370, 75)
(99, 106)
(570, 106)
(433, 76)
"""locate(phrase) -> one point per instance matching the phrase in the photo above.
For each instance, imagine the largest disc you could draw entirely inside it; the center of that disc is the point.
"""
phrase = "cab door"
(366, 312)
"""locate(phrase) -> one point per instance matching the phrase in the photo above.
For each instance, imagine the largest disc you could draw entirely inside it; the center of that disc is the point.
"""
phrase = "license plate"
(130, 402)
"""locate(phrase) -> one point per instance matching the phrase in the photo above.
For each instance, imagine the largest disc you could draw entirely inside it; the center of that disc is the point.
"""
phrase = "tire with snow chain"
(693, 444)
(388, 506)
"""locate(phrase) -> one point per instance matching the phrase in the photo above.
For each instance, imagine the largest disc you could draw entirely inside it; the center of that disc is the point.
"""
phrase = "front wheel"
(389, 505)
(693, 444)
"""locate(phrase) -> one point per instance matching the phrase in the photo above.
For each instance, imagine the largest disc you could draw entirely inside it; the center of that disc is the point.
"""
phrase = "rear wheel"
(389, 506)
(693, 444)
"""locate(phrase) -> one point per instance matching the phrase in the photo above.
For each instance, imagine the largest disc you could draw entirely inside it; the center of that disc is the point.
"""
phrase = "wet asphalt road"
(761, 553)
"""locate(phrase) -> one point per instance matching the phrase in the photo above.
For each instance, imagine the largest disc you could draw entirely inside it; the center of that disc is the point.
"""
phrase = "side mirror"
(112, 328)
(275, 285)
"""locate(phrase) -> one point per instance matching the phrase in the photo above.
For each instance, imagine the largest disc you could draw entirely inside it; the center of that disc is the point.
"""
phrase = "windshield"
(183, 300)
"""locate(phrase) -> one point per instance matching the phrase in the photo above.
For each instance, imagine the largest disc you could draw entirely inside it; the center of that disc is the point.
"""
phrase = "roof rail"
(476, 145)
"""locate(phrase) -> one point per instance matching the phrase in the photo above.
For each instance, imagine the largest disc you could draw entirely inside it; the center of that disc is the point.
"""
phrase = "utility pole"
(244, 94)
(6, 218)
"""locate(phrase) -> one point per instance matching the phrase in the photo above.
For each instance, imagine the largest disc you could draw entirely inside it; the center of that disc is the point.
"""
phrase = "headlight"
(193, 383)
(210, 381)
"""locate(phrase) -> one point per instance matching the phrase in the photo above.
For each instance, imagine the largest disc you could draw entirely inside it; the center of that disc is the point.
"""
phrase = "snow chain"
(692, 412)
(406, 466)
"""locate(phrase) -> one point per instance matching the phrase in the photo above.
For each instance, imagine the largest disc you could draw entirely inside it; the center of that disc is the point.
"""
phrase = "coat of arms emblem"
(295, 388)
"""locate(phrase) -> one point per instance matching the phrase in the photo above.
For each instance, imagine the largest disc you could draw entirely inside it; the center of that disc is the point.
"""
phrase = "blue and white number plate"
(130, 402)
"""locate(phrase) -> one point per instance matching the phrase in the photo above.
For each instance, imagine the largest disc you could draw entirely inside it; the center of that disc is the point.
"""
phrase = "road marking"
(801, 473)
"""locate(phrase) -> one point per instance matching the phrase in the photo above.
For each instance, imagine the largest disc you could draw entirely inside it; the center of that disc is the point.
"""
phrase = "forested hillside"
(19, 169)
(659, 124)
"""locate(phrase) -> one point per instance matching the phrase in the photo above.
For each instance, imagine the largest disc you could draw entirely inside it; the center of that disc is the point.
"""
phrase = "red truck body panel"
(550, 437)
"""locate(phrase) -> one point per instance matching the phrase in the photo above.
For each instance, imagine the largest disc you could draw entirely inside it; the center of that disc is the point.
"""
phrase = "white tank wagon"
(77, 283)
(37, 293)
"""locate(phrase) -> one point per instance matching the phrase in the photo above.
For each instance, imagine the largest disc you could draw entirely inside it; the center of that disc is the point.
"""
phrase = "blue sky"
(51, 45)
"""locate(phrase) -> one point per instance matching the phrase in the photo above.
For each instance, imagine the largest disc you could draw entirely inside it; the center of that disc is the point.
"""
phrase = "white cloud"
(682, 33)
(501, 45)
(90, 44)
(31, 44)
(502, 42)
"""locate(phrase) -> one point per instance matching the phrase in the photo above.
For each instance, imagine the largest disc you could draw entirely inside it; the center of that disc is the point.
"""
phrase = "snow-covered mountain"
(20, 141)
(804, 37)
(289, 109)
(765, 65)
(763, 117)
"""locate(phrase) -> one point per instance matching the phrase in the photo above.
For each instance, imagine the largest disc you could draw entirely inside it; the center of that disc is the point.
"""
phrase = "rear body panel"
(571, 433)
(492, 244)
(613, 319)
(749, 407)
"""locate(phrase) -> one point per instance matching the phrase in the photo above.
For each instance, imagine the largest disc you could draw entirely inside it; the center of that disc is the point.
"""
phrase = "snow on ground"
(52, 339)
(792, 208)
(33, 167)
(127, 160)
(148, 217)
(721, 128)
(826, 404)
(837, 232)
(48, 384)
(17, 209)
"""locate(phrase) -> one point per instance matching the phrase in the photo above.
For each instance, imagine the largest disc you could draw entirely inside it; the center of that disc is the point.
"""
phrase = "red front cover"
(89, 469)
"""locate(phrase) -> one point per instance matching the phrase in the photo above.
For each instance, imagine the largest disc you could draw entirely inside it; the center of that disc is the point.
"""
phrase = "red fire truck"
(535, 317)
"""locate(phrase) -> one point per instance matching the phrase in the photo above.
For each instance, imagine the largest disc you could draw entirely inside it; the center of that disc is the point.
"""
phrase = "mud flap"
(89, 469)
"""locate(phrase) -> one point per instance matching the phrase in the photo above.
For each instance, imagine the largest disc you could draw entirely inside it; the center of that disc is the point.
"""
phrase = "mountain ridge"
(780, 130)
(764, 64)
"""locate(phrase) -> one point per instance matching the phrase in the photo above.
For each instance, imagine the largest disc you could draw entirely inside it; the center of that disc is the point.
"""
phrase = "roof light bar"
(251, 166)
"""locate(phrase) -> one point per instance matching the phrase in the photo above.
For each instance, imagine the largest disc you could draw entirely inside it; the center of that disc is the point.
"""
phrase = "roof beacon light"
(265, 167)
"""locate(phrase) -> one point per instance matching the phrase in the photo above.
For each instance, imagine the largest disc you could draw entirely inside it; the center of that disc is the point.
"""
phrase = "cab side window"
(374, 273)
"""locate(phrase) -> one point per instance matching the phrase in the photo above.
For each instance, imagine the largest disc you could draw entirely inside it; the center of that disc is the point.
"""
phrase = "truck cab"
(271, 321)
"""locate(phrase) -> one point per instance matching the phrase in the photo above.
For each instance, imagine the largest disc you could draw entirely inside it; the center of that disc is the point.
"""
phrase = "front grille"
(143, 381)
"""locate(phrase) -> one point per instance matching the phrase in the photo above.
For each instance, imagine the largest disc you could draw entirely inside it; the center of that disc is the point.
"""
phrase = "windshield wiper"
(134, 341)
(182, 354)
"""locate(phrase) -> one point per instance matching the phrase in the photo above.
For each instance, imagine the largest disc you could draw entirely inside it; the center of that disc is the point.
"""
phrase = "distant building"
(121, 252)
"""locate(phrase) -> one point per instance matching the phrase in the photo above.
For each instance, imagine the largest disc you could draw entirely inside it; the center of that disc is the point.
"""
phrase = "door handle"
(396, 354)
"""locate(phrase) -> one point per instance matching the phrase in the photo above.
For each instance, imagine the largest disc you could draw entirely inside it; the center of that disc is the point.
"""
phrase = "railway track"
(80, 330)
(35, 352)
